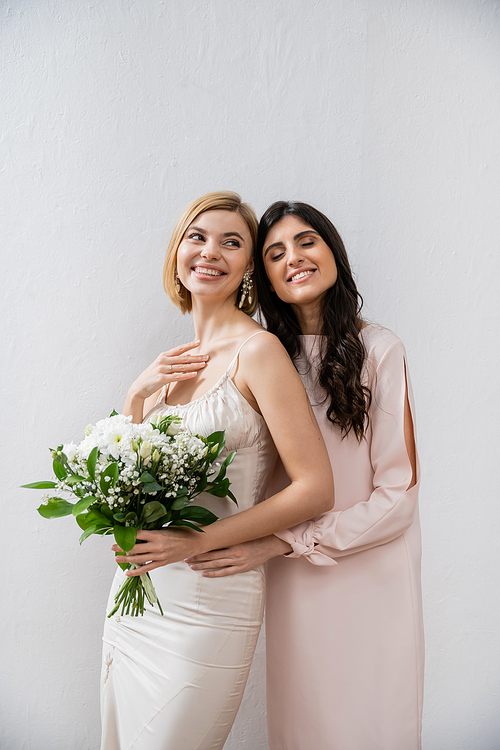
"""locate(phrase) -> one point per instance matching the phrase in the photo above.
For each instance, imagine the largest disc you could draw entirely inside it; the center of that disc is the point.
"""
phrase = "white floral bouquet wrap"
(125, 477)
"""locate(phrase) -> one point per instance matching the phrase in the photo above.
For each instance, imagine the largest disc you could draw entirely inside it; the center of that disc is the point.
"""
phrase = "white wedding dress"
(176, 682)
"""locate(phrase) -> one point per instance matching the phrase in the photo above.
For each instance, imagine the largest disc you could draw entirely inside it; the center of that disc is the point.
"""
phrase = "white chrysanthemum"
(86, 446)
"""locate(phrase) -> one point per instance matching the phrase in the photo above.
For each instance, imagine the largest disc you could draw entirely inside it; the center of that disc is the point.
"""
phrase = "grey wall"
(114, 116)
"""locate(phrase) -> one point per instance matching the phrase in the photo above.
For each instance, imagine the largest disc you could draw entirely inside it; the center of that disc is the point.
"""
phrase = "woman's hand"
(160, 547)
(169, 367)
(239, 558)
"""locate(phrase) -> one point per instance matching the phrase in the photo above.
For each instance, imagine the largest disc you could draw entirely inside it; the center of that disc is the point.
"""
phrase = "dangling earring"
(177, 282)
(246, 289)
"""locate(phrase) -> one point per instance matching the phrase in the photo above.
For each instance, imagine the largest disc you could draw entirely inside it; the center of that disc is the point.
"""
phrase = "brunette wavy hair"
(343, 352)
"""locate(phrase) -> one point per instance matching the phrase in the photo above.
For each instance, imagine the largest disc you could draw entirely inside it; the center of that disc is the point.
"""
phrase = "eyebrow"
(296, 237)
(204, 231)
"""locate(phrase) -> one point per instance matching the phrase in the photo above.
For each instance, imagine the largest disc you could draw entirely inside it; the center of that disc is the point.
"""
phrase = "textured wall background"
(114, 115)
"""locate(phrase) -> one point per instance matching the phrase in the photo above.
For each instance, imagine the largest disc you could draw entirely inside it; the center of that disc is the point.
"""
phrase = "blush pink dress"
(345, 648)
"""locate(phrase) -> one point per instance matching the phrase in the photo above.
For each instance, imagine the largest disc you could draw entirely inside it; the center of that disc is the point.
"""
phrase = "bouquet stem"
(130, 595)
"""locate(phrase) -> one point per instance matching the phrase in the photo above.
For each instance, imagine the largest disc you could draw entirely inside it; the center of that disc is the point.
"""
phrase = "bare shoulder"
(266, 368)
(260, 348)
(265, 372)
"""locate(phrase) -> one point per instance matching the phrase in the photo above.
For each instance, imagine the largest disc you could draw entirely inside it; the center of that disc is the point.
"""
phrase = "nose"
(210, 250)
(295, 257)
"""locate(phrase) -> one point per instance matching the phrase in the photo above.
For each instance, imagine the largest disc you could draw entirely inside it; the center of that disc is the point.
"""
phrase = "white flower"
(145, 449)
(70, 450)
(174, 429)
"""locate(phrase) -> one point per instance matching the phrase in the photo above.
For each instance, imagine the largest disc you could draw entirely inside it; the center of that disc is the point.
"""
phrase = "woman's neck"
(214, 321)
(309, 317)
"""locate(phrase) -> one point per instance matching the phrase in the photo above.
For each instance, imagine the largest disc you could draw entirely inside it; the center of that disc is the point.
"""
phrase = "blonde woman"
(176, 681)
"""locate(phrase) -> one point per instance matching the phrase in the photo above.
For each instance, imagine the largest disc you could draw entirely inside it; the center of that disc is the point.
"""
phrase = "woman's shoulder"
(261, 344)
(379, 341)
(263, 356)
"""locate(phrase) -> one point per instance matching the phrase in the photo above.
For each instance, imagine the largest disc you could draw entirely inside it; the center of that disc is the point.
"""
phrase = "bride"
(176, 681)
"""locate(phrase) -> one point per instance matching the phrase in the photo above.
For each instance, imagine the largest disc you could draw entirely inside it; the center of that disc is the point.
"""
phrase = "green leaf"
(216, 439)
(200, 515)
(220, 489)
(93, 516)
(56, 508)
(40, 486)
(222, 471)
(201, 485)
(75, 479)
(152, 511)
(228, 460)
(82, 505)
(151, 487)
(232, 497)
(109, 477)
(114, 413)
(185, 523)
(125, 537)
(159, 522)
(107, 512)
(180, 503)
(92, 529)
(92, 461)
(59, 469)
(146, 477)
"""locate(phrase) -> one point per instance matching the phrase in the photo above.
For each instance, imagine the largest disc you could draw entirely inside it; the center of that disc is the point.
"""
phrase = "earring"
(177, 282)
(246, 289)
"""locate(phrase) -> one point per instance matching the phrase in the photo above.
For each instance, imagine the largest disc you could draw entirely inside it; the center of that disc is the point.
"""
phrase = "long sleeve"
(389, 510)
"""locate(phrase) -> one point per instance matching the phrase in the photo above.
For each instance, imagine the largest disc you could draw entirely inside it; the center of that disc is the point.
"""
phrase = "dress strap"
(235, 358)
(162, 398)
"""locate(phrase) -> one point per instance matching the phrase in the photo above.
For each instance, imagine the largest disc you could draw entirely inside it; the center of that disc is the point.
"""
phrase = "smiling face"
(214, 253)
(298, 262)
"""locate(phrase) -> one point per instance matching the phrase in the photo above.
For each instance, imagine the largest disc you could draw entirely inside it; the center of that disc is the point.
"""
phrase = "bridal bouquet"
(125, 477)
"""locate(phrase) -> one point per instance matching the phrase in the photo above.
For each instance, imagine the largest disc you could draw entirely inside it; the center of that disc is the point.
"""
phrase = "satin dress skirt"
(176, 682)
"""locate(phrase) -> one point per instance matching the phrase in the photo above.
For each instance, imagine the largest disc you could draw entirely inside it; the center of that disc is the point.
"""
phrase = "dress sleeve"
(389, 511)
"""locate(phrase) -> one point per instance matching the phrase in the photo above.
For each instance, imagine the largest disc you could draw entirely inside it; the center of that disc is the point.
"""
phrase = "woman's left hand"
(159, 548)
(239, 558)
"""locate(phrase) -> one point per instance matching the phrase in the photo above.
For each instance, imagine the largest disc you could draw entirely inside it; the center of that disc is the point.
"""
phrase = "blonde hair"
(223, 200)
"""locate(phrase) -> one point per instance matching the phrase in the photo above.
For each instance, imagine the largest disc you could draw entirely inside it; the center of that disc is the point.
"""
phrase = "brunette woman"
(344, 618)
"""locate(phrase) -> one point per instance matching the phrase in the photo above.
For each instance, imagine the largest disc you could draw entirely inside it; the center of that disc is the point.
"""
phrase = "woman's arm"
(239, 557)
(389, 511)
(266, 371)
